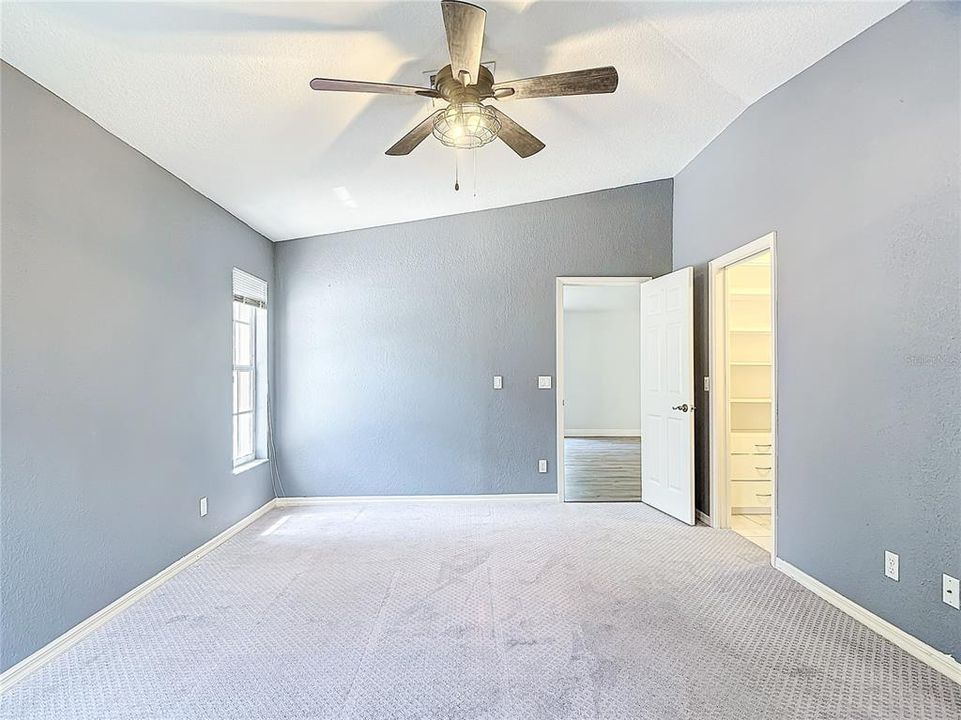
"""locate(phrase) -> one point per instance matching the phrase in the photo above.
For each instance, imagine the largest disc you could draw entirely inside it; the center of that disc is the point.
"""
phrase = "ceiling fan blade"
(578, 82)
(414, 138)
(516, 137)
(465, 37)
(369, 87)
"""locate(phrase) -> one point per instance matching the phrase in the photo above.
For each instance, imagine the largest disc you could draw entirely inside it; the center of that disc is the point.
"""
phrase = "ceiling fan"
(467, 122)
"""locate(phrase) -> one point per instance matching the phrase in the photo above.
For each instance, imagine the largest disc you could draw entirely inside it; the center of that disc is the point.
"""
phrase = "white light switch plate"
(203, 506)
(542, 466)
(892, 565)
(543, 382)
(951, 591)
(498, 382)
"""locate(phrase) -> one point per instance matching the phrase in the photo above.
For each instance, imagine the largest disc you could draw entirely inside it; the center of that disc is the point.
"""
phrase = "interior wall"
(855, 164)
(388, 339)
(602, 367)
(116, 352)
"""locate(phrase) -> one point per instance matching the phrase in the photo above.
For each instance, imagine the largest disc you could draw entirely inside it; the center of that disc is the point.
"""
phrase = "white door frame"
(562, 282)
(720, 507)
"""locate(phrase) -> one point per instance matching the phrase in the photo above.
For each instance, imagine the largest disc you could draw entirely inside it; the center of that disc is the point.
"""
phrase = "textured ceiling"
(218, 95)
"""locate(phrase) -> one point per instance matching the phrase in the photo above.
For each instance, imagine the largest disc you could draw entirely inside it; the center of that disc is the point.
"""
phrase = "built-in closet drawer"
(750, 494)
(750, 443)
(751, 467)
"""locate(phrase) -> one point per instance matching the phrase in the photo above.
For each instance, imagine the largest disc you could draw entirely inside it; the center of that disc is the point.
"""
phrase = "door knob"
(683, 408)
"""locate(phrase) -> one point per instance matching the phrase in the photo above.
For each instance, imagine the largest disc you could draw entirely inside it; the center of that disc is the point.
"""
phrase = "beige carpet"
(498, 610)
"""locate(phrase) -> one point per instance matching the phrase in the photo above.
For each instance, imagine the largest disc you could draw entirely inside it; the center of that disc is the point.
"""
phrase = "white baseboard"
(329, 500)
(703, 517)
(930, 656)
(78, 632)
(602, 433)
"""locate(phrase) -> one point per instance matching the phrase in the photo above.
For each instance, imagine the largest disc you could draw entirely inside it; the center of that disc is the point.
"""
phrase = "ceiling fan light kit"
(467, 122)
(466, 126)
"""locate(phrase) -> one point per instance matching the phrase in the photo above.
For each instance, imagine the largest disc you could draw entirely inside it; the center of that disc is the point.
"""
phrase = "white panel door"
(667, 388)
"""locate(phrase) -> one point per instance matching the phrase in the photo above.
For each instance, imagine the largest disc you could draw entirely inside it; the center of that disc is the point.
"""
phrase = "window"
(245, 382)
(249, 371)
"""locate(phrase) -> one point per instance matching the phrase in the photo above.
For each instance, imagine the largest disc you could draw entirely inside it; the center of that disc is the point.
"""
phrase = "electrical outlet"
(543, 382)
(951, 591)
(542, 466)
(498, 382)
(892, 565)
(707, 384)
(203, 506)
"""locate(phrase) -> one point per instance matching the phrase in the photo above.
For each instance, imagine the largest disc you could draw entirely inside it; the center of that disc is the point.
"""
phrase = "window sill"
(250, 465)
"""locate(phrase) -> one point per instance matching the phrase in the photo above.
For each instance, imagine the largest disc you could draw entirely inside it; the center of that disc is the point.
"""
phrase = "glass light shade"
(466, 125)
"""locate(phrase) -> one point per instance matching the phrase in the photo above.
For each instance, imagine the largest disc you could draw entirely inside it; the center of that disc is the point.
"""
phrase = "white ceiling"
(218, 94)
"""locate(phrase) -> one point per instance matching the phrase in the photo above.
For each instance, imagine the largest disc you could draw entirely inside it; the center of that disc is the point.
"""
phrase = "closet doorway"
(599, 389)
(742, 296)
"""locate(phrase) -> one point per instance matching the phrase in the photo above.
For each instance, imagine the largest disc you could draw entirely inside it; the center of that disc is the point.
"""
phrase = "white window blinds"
(249, 289)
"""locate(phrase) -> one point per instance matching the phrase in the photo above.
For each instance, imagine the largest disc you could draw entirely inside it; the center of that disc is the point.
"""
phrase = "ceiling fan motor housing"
(452, 90)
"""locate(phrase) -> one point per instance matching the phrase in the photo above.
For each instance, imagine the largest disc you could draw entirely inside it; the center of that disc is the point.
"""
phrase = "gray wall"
(388, 339)
(115, 368)
(855, 165)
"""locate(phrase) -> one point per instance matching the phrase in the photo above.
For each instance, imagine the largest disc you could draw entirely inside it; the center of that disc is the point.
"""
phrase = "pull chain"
(456, 173)
(474, 158)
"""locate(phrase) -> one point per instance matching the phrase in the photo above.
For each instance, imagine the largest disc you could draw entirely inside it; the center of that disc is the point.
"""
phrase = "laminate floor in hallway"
(599, 469)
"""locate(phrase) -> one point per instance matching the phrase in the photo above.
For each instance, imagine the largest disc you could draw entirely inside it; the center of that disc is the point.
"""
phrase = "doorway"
(666, 397)
(599, 389)
(743, 392)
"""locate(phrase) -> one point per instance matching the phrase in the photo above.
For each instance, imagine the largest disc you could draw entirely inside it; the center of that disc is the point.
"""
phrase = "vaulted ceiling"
(218, 94)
